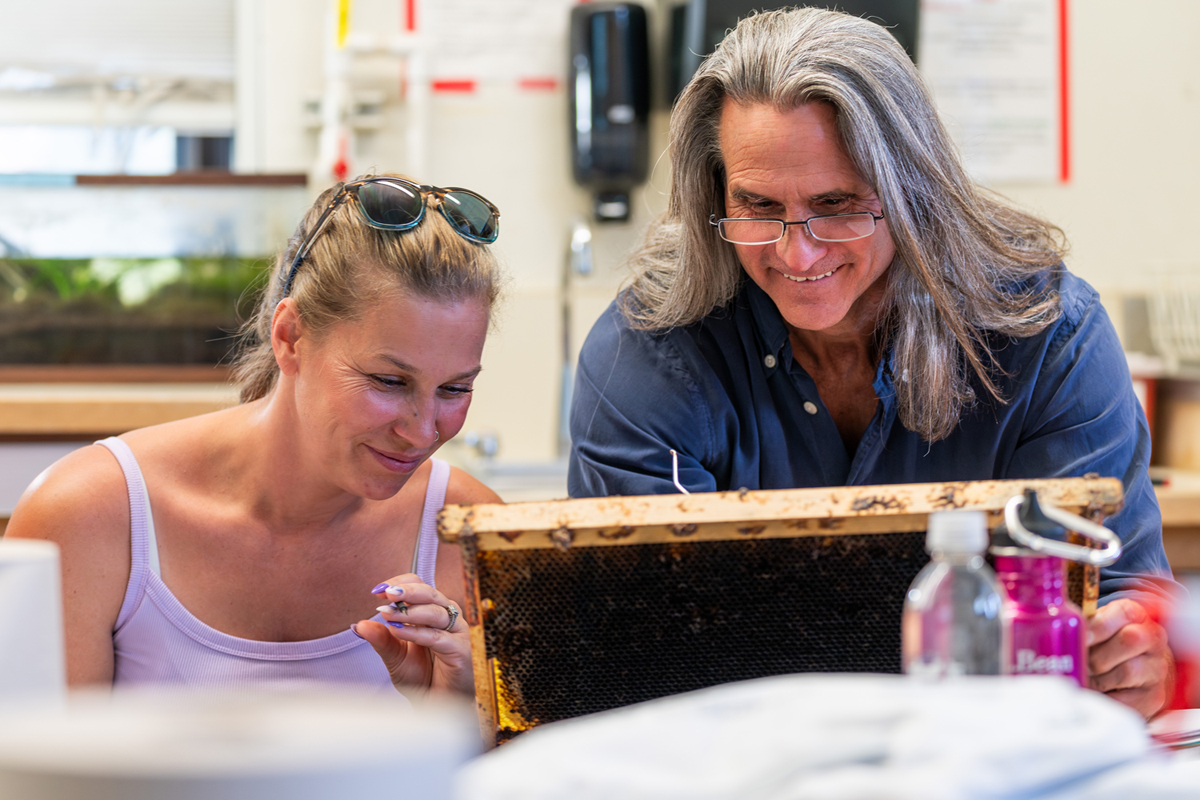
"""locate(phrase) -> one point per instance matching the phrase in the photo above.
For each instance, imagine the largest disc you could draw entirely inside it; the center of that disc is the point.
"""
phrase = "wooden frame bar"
(731, 515)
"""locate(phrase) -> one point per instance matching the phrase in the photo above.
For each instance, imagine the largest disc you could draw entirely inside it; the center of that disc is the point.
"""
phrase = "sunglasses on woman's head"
(395, 204)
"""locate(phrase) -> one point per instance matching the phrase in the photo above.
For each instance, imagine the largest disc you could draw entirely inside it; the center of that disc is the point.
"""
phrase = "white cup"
(32, 668)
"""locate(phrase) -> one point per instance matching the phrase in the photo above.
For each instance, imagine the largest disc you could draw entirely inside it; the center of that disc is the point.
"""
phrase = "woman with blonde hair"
(253, 545)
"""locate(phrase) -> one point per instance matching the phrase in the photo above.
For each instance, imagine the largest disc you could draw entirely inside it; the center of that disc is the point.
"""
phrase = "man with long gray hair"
(899, 324)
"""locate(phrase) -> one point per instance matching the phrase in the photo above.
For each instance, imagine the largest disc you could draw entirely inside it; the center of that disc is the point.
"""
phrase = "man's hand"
(1128, 657)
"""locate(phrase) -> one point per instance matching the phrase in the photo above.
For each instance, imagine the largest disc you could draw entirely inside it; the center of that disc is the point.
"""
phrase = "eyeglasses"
(828, 228)
(394, 204)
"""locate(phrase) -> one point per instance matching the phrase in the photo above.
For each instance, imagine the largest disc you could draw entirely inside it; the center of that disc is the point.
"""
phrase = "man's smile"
(801, 279)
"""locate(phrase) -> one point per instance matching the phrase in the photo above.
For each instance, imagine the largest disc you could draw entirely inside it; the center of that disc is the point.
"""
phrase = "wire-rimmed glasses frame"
(422, 191)
(829, 227)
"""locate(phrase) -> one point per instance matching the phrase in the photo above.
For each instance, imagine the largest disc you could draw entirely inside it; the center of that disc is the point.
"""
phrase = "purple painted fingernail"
(394, 591)
(395, 624)
(381, 587)
(354, 630)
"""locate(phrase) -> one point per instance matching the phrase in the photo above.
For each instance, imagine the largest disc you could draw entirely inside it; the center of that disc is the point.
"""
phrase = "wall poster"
(998, 71)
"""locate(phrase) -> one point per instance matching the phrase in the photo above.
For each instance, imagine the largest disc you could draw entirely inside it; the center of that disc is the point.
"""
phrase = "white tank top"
(158, 641)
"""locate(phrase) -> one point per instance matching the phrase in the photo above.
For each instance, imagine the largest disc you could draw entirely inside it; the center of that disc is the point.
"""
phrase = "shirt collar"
(773, 333)
(768, 322)
(885, 377)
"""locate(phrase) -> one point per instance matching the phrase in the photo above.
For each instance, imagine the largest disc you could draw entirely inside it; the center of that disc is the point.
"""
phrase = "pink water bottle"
(1048, 630)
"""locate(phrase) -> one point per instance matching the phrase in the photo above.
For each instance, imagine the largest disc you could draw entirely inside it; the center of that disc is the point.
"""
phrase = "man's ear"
(286, 331)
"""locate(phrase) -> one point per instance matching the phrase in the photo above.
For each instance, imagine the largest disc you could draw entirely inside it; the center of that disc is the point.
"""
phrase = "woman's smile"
(404, 464)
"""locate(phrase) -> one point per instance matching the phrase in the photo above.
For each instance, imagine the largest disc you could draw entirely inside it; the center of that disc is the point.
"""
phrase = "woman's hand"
(424, 644)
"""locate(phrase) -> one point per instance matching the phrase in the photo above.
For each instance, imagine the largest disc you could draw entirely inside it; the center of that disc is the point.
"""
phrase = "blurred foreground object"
(952, 623)
(32, 669)
(1031, 550)
(834, 736)
(321, 745)
(1183, 631)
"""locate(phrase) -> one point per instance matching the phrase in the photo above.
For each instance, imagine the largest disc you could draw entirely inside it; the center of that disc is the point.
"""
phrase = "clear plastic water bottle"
(953, 614)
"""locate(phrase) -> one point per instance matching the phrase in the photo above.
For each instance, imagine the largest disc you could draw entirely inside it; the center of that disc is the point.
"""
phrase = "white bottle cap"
(957, 532)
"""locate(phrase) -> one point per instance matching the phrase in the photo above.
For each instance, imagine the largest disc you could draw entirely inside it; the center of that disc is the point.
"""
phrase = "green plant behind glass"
(172, 310)
(131, 286)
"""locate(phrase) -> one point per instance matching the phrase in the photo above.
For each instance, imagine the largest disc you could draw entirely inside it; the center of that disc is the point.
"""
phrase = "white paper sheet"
(498, 40)
(994, 70)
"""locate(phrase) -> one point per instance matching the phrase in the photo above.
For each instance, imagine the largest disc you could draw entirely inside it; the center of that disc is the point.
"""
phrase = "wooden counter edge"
(76, 412)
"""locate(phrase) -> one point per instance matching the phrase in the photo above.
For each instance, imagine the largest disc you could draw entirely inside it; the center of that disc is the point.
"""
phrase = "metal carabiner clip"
(1101, 557)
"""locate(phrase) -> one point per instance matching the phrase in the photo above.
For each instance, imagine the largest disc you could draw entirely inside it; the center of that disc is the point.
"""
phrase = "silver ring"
(453, 612)
(437, 435)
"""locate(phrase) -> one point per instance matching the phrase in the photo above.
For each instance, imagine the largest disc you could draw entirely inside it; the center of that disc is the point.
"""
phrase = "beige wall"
(1135, 122)
(1135, 113)
(509, 145)
(1127, 210)
(1135, 85)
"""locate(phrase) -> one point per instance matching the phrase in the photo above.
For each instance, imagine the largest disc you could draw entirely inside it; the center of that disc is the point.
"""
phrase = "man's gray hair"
(967, 261)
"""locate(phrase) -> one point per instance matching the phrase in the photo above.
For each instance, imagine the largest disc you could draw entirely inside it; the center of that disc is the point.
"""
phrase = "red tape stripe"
(538, 84)
(1064, 94)
(457, 86)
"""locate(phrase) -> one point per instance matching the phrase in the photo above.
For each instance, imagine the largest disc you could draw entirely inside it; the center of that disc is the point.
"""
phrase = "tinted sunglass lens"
(391, 205)
(471, 216)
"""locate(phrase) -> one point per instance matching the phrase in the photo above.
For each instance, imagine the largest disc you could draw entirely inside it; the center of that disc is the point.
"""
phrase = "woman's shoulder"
(191, 438)
(192, 456)
(85, 493)
(82, 496)
(80, 503)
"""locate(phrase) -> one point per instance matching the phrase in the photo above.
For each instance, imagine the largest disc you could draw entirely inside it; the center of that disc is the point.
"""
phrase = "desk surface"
(1179, 497)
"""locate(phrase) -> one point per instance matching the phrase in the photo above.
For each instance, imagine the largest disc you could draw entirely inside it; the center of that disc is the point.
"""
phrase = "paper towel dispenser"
(610, 103)
(698, 26)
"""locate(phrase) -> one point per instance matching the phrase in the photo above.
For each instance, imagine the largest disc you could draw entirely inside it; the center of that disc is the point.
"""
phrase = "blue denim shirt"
(727, 394)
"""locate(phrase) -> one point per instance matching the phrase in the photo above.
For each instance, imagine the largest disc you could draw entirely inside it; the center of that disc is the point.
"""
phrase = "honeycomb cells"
(592, 628)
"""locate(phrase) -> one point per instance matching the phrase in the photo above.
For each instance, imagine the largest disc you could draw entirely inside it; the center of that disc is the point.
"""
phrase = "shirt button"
(770, 361)
(810, 406)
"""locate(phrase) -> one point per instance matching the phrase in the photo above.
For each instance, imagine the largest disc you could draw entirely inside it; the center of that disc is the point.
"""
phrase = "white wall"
(1130, 203)
(1135, 109)
(508, 144)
